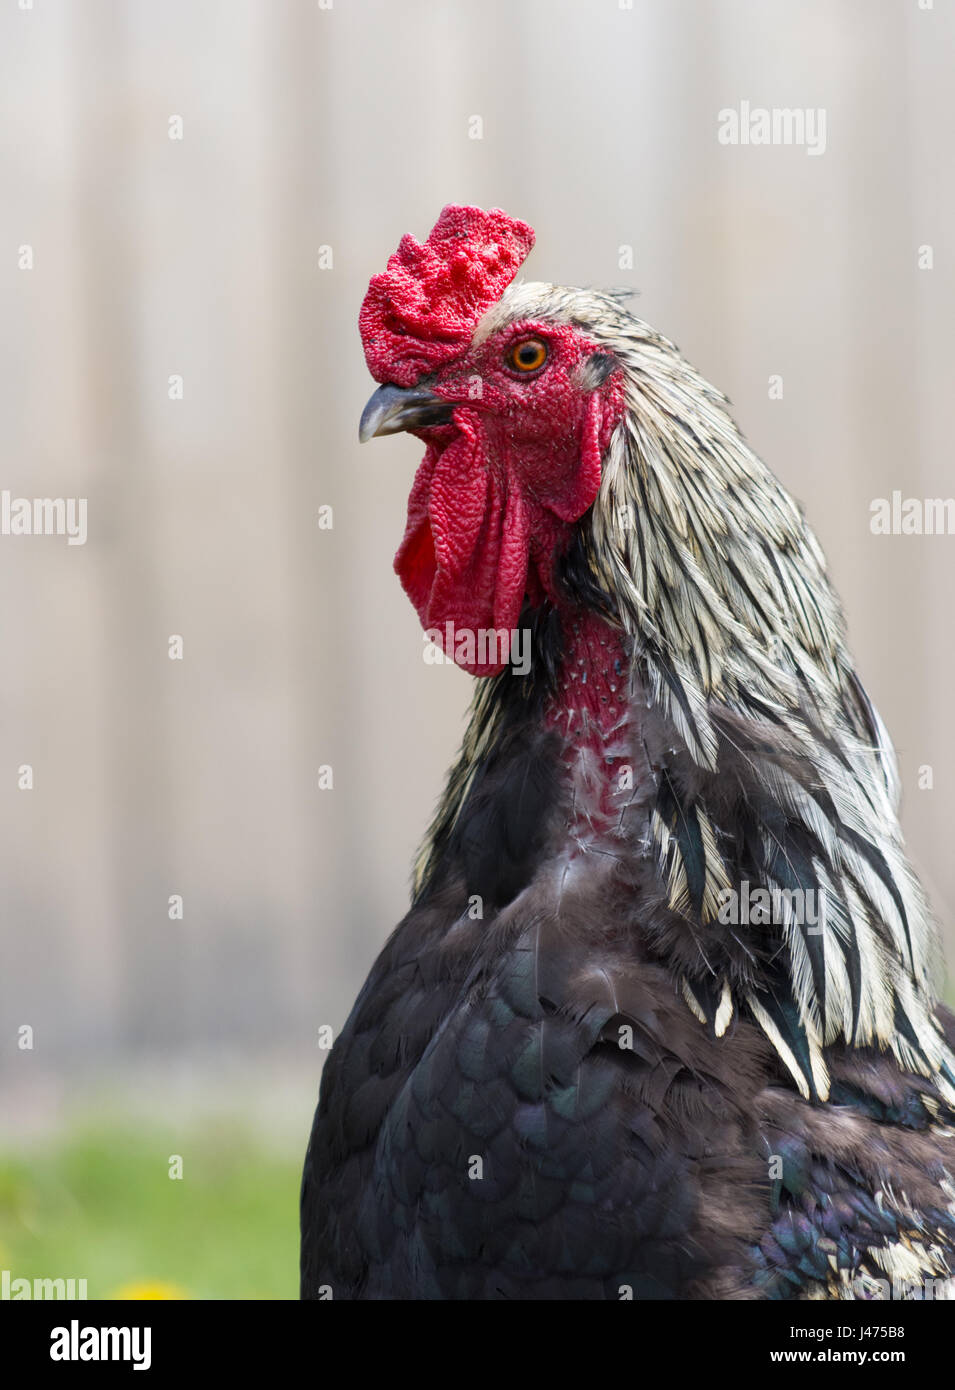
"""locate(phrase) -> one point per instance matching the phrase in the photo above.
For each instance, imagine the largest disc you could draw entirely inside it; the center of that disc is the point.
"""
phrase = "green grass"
(98, 1203)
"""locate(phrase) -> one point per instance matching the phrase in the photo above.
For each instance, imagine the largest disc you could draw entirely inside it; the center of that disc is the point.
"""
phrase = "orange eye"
(527, 356)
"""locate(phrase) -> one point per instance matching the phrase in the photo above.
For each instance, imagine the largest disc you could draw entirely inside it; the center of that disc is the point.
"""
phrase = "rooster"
(661, 1020)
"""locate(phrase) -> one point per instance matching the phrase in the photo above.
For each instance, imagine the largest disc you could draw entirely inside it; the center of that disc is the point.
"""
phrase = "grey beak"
(394, 408)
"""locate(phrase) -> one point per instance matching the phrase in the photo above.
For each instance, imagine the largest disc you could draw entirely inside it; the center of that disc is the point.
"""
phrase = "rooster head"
(516, 409)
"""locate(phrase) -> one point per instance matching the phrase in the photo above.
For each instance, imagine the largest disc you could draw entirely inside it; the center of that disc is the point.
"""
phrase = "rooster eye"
(528, 355)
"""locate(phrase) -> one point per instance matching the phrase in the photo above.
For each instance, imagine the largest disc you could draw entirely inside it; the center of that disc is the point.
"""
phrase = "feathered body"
(583, 1066)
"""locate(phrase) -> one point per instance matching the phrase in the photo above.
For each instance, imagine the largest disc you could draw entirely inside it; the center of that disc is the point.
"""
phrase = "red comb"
(422, 310)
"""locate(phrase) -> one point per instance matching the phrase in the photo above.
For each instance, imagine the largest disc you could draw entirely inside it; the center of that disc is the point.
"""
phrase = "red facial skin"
(495, 500)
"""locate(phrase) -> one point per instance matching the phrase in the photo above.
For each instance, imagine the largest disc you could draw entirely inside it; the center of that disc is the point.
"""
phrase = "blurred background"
(193, 196)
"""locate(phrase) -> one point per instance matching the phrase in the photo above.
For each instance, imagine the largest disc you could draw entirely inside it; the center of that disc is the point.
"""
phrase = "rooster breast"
(520, 1105)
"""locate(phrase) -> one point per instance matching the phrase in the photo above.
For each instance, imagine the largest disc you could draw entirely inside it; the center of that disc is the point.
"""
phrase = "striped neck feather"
(740, 641)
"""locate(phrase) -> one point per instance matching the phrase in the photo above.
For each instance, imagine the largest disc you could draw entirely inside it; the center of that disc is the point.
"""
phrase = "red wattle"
(464, 557)
(486, 523)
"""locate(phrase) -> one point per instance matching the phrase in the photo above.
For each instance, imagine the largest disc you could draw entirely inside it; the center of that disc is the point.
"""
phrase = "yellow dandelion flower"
(148, 1290)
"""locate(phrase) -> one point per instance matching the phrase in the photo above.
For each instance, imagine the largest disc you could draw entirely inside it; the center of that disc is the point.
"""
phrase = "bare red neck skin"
(594, 680)
(593, 710)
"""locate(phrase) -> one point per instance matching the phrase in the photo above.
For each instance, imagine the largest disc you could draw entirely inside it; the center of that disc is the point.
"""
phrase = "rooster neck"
(593, 685)
(592, 710)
